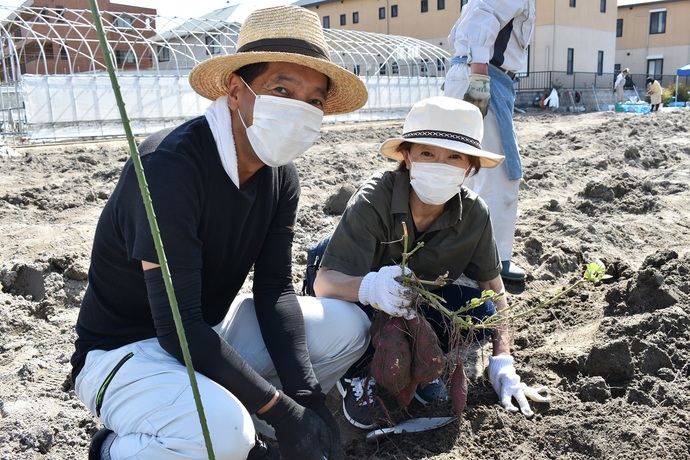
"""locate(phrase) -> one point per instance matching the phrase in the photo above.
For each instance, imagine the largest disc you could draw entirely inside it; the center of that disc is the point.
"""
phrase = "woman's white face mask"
(282, 128)
(436, 183)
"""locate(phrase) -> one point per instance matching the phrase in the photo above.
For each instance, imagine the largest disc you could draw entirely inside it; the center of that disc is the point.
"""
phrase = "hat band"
(444, 135)
(285, 45)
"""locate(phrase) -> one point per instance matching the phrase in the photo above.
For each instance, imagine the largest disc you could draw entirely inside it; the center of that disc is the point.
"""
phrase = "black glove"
(263, 451)
(316, 401)
(300, 432)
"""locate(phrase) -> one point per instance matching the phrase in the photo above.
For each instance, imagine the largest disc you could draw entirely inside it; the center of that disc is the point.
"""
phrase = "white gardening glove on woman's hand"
(382, 291)
(479, 92)
(507, 384)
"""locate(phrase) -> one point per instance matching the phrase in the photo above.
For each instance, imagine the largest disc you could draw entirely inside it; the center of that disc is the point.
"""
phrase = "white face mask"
(436, 183)
(282, 129)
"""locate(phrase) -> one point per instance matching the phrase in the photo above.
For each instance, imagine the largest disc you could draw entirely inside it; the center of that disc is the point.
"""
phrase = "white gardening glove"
(479, 92)
(507, 384)
(381, 290)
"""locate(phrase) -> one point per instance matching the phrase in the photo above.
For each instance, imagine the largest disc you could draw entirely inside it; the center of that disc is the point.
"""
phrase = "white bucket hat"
(444, 122)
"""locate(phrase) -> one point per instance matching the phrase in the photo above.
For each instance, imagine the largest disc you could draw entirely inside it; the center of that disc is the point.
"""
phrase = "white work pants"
(492, 184)
(149, 402)
(499, 193)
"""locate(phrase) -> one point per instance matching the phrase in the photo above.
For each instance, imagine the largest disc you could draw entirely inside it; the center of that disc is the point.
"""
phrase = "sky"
(179, 8)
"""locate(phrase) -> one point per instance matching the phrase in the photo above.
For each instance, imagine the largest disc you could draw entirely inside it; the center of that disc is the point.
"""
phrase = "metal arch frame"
(185, 40)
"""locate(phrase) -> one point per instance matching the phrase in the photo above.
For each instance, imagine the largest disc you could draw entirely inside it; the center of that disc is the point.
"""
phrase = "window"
(425, 6)
(382, 69)
(571, 59)
(355, 19)
(356, 69)
(600, 63)
(655, 68)
(441, 64)
(326, 22)
(382, 12)
(124, 57)
(343, 19)
(440, 5)
(65, 57)
(124, 22)
(163, 53)
(60, 14)
(423, 66)
(619, 27)
(395, 70)
(572, 3)
(212, 45)
(657, 22)
(602, 6)
(394, 11)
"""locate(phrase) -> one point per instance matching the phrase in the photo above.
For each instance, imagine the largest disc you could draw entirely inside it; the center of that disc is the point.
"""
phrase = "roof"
(624, 3)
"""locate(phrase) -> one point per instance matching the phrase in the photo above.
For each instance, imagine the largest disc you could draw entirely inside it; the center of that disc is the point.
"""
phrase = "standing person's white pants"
(149, 401)
(492, 184)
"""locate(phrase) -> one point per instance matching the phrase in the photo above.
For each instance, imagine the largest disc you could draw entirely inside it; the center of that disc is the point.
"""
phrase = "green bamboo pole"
(148, 205)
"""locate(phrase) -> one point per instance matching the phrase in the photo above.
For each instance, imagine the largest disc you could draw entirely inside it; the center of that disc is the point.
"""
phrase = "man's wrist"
(270, 404)
(479, 68)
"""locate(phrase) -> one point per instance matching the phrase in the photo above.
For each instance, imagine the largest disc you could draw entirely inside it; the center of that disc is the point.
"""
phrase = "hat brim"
(486, 159)
(347, 92)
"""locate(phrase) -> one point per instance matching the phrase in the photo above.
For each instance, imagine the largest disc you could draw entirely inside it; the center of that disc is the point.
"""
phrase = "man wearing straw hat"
(225, 192)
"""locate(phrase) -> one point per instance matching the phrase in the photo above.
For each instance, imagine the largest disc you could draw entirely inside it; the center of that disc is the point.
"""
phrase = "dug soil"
(615, 355)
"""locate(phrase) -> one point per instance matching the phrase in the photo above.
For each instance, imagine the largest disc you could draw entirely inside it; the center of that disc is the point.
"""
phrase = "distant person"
(439, 148)
(619, 86)
(489, 44)
(654, 93)
(225, 192)
(552, 99)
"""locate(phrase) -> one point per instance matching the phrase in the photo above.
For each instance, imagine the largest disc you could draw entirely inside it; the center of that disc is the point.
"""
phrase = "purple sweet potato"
(427, 356)
(458, 388)
(405, 396)
(392, 361)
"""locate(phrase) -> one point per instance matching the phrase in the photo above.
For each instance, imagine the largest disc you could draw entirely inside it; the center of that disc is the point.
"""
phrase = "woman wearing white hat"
(225, 193)
(439, 148)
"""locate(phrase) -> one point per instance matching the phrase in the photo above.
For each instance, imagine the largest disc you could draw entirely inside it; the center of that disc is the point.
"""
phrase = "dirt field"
(615, 355)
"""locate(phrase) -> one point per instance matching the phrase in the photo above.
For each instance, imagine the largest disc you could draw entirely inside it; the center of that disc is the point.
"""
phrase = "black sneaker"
(435, 390)
(97, 443)
(359, 406)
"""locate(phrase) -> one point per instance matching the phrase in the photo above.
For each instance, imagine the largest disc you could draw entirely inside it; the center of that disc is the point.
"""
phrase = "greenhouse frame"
(54, 85)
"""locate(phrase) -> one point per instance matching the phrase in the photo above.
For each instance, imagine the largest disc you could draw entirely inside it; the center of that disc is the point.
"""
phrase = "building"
(570, 35)
(52, 37)
(652, 38)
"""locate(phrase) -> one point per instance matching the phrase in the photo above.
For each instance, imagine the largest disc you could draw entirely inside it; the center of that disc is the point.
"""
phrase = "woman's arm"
(337, 285)
(501, 335)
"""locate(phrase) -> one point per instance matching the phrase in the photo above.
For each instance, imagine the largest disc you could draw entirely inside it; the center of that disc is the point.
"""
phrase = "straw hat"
(444, 122)
(281, 34)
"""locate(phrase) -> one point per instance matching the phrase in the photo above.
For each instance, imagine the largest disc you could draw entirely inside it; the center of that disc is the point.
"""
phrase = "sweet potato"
(405, 396)
(458, 388)
(380, 318)
(392, 361)
(427, 356)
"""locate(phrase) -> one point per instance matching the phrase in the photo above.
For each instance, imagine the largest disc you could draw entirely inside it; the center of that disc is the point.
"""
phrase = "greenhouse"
(54, 85)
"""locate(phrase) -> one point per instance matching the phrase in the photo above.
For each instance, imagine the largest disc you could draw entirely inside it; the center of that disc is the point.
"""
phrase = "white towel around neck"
(218, 116)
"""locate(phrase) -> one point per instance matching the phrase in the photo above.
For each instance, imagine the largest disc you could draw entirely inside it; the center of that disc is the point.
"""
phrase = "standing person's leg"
(146, 399)
(500, 194)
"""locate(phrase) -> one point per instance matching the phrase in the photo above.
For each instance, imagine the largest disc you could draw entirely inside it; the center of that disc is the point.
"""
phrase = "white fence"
(62, 107)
